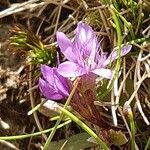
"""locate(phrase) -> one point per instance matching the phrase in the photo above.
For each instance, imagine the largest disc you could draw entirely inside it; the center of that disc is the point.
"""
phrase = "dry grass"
(45, 18)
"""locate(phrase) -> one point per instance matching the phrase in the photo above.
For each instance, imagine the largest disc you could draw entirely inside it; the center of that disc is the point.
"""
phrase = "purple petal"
(49, 91)
(70, 69)
(114, 54)
(84, 33)
(85, 38)
(106, 73)
(66, 46)
(47, 73)
(61, 84)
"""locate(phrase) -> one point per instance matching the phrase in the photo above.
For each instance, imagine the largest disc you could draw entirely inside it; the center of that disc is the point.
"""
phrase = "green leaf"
(75, 142)
(117, 138)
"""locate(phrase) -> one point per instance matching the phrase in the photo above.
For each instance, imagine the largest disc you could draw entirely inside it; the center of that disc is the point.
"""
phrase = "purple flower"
(52, 85)
(83, 54)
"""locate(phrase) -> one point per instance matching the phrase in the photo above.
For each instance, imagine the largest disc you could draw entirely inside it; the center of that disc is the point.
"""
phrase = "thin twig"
(20, 7)
(8, 144)
(33, 105)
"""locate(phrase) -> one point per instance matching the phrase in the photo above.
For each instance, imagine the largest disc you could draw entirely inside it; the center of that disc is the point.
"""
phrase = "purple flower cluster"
(84, 56)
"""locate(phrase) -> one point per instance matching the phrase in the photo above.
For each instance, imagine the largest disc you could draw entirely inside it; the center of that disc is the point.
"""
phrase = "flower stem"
(148, 144)
(119, 37)
(132, 126)
(19, 137)
(127, 24)
(46, 146)
(84, 127)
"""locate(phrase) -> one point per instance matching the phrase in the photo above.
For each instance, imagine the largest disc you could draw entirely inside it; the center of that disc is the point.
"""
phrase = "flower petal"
(66, 46)
(70, 69)
(106, 73)
(61, 84)
(84, 33)
(114, 54)
(49, 91)
(85, 38)
(47, 73)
